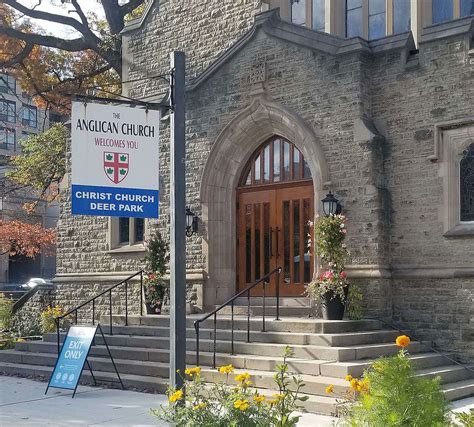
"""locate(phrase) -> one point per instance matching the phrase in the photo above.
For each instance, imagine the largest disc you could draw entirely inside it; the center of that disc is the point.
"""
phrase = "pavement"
(23, 403)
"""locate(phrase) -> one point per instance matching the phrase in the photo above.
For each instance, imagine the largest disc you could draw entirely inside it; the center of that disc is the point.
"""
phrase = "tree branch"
(23, 54)
(116, 20)
(80, 13)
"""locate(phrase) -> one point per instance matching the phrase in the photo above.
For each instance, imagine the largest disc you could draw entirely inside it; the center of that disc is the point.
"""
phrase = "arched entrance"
(275, 202)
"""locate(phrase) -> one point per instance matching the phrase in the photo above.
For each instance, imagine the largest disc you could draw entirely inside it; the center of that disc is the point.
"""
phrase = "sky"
(54, 6)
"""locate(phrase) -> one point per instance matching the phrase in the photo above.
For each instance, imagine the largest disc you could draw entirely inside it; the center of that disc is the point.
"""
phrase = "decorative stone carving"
(258, 73)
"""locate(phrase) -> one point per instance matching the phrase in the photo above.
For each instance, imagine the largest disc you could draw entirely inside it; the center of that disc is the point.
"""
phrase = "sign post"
(115, 152)
(178, 224)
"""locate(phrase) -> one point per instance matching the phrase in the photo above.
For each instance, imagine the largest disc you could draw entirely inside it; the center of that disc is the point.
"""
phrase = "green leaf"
(109, 157)
(123, 158)
(110, 171)
(123, 171)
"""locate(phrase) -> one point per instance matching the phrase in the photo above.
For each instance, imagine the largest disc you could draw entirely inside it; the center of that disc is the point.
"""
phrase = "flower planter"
(332, 308)
(153, 308)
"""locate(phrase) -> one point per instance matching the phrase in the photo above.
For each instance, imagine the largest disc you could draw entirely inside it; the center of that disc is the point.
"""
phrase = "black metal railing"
(75, 310)
(264, 280)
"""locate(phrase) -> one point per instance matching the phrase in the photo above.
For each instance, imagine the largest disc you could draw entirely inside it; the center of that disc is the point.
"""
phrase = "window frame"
(5, 84)
(133, 245)
(13, 115)
(4, 145)
(428, 13)
(451, 140)
(27, 121)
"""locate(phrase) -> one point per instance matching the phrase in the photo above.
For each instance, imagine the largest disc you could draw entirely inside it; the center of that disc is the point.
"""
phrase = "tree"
(49, 67)
(20, 238)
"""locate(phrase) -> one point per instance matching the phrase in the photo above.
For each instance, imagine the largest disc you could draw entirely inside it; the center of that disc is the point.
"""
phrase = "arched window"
(277, 160)
(466, 181)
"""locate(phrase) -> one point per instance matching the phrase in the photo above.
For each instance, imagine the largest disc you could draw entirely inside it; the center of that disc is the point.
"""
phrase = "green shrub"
(392, 395)
(6, 313)
(465, 419)
(223, 404)
(354, 303)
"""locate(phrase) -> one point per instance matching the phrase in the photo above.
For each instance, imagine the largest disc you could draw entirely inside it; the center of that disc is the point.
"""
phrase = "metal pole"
(177, 223)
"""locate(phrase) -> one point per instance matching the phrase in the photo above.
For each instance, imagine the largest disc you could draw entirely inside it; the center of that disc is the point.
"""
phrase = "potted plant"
(331, 286)
(155, 287)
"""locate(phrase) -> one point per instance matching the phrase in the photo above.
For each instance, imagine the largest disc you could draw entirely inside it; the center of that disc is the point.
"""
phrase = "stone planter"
(332, 307)
(153, 308)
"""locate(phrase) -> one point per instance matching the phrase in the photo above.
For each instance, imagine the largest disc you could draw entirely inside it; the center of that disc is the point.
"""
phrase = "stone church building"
(287, 100)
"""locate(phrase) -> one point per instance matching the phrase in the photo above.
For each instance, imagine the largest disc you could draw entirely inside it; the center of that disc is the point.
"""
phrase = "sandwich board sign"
(114, 156)
(71, 359)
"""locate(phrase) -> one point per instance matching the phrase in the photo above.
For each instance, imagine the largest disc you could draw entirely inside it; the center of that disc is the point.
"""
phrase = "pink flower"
(328, 275)
(342, 275)
(343, 231)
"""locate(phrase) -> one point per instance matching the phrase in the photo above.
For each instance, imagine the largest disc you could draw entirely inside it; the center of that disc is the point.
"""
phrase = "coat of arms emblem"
(116, 166)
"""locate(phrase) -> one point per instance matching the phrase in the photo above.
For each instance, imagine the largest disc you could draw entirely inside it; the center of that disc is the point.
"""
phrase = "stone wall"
(440, 310)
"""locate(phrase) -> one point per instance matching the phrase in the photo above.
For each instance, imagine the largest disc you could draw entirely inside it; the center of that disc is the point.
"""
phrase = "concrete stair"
(324, 353)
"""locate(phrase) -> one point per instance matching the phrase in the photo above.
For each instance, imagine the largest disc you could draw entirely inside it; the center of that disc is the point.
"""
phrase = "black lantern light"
(191, 222)
(331, 205)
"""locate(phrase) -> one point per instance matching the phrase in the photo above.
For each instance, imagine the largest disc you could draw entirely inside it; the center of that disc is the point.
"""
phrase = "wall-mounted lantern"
(331, 205)
(191, 222)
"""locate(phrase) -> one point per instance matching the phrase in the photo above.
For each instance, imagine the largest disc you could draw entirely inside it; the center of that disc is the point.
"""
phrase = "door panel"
(273, 231)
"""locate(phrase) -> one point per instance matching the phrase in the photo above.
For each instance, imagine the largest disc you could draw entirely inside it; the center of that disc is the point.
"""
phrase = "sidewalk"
(23, 403)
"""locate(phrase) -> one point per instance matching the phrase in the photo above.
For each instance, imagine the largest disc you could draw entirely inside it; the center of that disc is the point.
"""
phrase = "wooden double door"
(273, 231)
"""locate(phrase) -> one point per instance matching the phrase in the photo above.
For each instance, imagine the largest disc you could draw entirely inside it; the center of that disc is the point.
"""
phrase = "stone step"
(288, 324)
(459, 390)
(356, 352)
(356, 368)
(447, 373)
(270, 311)
(271, 301)
(344, 339)
(131, 382)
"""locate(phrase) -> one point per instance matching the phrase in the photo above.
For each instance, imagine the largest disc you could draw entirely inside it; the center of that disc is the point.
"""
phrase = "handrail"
(109, 290)
(231, 302)
(410, 334)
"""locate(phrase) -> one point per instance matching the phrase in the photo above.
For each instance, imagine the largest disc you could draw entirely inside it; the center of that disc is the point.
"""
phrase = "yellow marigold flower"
(259, 398)
(354, 384)
(402, 341)
(242, 377)
(272, 402)
(193, 371)
(201, 405)
(349, 378)
(330, 389)
(241, 404)
(278, 396)
(177, 395)
(247, 384)
(227, 369)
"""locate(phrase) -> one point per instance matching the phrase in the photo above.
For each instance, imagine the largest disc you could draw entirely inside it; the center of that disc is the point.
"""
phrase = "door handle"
(271, 242)
(277, 239)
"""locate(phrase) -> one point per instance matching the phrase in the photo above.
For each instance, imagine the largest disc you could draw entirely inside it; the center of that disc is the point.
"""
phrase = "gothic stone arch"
(229, 155)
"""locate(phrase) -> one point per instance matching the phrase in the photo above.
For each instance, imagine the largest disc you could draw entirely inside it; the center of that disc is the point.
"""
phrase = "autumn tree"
(49, 67)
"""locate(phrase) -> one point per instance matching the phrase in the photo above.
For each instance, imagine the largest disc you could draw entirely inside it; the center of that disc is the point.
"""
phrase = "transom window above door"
(277, 160)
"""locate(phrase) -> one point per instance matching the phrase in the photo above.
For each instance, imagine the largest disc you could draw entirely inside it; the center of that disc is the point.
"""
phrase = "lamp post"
(331, 205)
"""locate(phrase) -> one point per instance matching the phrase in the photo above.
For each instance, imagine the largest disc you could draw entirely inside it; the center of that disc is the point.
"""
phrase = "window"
(7, 84)
(298, 12)
(454, 151)
(319, 15)
(276, 161)
(29, 115)
(442, 10)
(376, 19)
(467, 7)
(401, 16)
(354, 23)
(126, 234)
(466, 181)
(7, 111)
(7, 139)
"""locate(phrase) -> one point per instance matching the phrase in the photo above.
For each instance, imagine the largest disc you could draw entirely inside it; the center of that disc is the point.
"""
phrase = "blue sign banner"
(112, 201)
(72, 358)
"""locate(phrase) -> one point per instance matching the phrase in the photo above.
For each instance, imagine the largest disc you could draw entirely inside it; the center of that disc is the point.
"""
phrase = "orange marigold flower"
(402, 341)
(349, 378)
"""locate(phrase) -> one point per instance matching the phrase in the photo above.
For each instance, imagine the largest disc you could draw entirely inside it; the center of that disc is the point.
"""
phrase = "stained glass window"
(466, 178)
(279, 160)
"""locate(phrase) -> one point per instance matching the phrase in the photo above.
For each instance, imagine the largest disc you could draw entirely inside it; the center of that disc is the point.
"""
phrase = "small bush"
(6, 313)
(48, 318)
